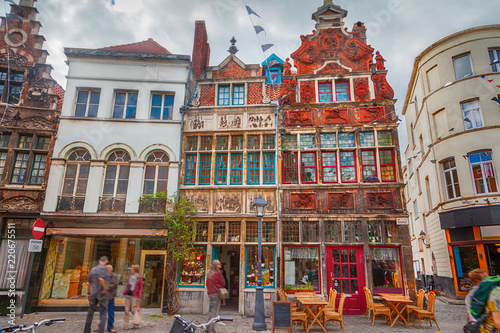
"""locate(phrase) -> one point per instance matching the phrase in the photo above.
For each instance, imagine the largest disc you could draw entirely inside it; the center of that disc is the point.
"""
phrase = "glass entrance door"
(346, 273)
(152, 269)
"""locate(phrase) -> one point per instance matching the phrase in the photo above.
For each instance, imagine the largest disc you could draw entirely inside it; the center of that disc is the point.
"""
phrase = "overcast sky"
(399, 29)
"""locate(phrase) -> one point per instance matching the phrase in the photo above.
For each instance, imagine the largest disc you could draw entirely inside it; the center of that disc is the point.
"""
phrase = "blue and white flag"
(13, 17)
(266, 47)
(250, 11)
(12, 2)
(258, 29)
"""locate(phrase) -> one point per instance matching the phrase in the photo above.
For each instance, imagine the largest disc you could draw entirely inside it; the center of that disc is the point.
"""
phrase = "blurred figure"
(476, 275)
(97, 295)
(133, 294)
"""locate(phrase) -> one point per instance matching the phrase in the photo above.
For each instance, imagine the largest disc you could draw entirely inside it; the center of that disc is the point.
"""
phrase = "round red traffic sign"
(38, 229)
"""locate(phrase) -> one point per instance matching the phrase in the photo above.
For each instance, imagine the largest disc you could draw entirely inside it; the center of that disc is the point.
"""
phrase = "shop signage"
(38, 229)
(35, 245)
(402, 221)
(282, 315)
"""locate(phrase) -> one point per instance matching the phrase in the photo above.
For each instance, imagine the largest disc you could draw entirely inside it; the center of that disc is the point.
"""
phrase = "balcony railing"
(70, 203)
(112, 204)
(153, 205)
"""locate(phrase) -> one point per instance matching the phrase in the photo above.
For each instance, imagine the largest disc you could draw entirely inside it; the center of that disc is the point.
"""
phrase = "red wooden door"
(346, 273)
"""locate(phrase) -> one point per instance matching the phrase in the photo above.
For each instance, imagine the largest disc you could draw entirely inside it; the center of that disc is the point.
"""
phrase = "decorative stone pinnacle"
(233, 49)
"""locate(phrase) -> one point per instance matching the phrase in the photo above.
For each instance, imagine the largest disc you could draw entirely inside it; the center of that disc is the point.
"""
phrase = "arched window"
(75, 180)
(77, 173)
(156, 173)
(117, 174)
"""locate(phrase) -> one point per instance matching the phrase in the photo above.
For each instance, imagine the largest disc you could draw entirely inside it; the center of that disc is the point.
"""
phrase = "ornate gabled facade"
(229, 156)
(342, 186)
(29, 117)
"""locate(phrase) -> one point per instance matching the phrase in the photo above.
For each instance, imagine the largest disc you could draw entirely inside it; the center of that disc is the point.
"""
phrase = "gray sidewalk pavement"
(450, 317)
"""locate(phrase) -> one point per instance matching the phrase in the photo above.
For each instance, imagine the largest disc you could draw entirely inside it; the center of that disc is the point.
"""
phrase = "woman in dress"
(133, 294)
(215, 281)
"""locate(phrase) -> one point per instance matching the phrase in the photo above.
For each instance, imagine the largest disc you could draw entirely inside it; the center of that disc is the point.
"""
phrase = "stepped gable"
(147, 46)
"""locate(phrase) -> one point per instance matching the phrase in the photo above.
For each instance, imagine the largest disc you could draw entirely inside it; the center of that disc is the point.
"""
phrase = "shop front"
(473, 236)
(71, 253)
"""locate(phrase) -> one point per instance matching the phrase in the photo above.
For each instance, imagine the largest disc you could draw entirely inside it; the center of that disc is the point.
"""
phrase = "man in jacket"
(112, 283)
(97, 294)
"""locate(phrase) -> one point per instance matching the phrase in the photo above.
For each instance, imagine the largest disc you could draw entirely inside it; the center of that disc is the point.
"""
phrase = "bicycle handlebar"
(10, 328)
(226, 319)
(19, 328)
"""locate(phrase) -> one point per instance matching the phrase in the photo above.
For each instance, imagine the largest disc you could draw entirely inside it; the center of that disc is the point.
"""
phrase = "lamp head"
(422, 235)
(260, 206)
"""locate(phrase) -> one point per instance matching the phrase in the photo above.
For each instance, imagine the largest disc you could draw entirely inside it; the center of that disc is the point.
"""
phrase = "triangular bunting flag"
(483, 76)
(250, 12)
(266, 47)
(258, 29)
(490, 81)
(13, 17)
(12, 2)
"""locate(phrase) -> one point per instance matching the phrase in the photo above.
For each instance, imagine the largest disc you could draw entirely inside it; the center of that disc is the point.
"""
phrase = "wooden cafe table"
(313, 307)
(397, 304)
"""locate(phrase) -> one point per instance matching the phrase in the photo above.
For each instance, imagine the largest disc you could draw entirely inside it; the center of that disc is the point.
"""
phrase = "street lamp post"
(259, 322)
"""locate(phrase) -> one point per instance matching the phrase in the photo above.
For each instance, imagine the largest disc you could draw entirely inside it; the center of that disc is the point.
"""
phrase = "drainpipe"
(278, 226)
(183, 111)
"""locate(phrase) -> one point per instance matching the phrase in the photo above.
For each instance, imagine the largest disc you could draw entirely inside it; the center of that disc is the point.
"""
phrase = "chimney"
(201, 49)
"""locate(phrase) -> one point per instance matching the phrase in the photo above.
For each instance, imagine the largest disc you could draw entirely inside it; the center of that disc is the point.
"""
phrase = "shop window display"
(386, 270)
(301, 271)
(466, 259)
(69, 260)
(267, 266)
(192, 270)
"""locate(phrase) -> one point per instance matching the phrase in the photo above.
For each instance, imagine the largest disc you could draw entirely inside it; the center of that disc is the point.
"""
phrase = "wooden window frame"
(393, 164)
(323, 94)
(87, 103)
(323, 166)
(337, 91)
(250, 168)
(296, 167)
(205, 169)
(304, 168)
(341, 167)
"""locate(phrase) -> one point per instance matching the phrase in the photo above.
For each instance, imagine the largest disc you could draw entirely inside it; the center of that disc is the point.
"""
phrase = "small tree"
(180, 230)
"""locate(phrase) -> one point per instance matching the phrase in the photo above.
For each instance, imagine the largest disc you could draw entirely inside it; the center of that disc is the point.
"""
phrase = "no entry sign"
(38, 229)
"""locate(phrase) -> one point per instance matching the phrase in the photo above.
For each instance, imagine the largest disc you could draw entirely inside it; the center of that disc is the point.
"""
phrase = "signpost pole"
(27, 284)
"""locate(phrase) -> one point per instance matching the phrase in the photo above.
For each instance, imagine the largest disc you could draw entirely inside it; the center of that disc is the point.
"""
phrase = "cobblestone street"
(450, 317)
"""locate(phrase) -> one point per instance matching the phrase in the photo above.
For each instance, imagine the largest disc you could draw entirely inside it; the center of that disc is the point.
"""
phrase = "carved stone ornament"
(299, 118)
(361, 89)
(382, 89)
(307, 92)
(269, 197)
(379, 200)
(260, 121)
(288, 93)
(199, 200)
(372, 114)
(266, 99)
(196, 101)
(37, 123)
(336, 116)
(13, 58)
(196, 123)
(228, 203)
(340, 201)
(303, 201)
(230, 121)
(21, 203)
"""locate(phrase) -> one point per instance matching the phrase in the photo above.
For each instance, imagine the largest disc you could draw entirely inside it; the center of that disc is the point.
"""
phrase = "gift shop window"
(466, 259)
(21, 228)
(267, 266)
(483, 172)
(386, 270)
(301, 269)
(325, 91)
(192, 269)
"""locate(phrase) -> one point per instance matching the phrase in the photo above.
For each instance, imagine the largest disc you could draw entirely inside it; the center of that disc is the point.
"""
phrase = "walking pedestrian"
(215, 281)
(476, 275)
(491, 323)
(97, 295)
(133, 295)
(226, 283)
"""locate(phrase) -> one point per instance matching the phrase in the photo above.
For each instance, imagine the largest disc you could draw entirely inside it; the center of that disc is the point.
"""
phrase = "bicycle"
(21, 328)
(181, 325)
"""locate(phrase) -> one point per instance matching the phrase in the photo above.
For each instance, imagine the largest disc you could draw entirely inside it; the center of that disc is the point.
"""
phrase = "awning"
(470, 217)
(106, 232)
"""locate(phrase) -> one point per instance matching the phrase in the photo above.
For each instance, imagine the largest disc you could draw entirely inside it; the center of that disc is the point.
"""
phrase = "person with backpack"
(491, 323)
(476, 275)
(485, 307)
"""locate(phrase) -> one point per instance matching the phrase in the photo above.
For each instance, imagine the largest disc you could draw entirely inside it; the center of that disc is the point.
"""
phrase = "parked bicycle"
(31, 328)
(181, 325)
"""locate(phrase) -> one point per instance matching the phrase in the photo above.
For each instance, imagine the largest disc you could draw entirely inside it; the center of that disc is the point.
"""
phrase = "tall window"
(236, 169)
(495, 60)
(190, 176)
(117, 174)
(87, 103)
(483, 172)
(308, 167)
(125, 105)
(77, 174)
(30, 159)
(10, 90)
(253, 168)
(329, 160)
(387, 167)
(205, 167)
(463, 66)
(342, 91)
(162, 106)
(221, 169)
(451, 178)
(471, 112)
(325, 91)
(4, 150)
(224, 95)
(269, 168)
(238, 94)
(368, 164)
(156, 173)
(348, 166)
(290, 168)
